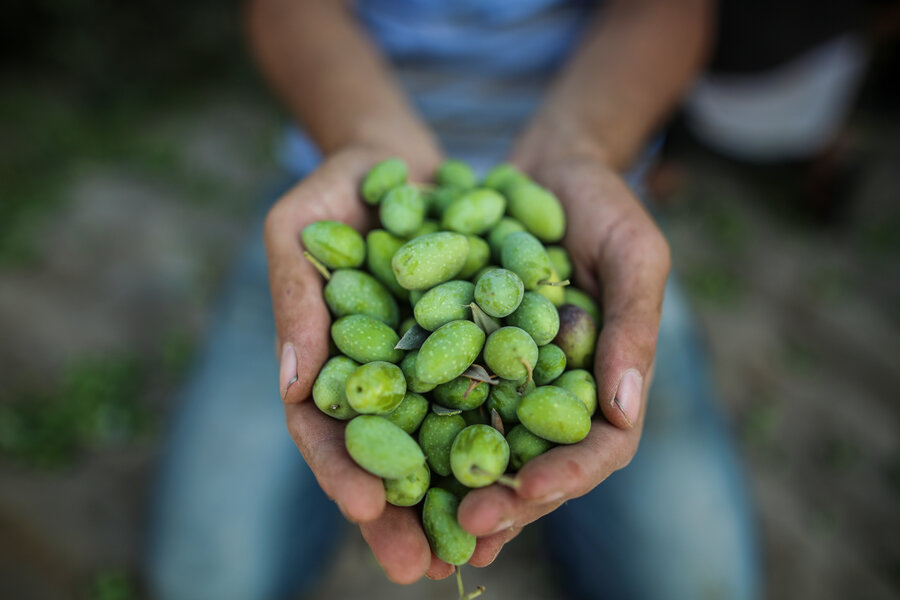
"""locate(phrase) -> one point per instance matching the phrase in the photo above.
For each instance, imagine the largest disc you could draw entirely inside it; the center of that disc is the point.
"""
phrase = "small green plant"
(112, 584)
(95, 404)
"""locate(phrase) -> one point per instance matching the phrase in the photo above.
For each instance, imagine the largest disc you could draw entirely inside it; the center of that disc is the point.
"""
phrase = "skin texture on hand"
(621, 258)
(302, 323)
(626, 76)
(629, 72)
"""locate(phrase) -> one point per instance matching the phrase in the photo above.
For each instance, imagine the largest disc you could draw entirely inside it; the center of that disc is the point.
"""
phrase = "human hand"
(620, 257)
(302, 323)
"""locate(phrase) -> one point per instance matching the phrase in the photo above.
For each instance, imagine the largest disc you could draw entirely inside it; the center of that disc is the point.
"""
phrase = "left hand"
(622, 259)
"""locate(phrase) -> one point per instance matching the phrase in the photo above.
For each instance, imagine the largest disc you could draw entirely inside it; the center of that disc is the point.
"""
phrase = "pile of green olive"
(460, 350)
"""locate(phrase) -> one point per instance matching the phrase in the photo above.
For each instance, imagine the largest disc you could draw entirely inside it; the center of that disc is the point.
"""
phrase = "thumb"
(633, 272)
(301, 317)
(623, 368)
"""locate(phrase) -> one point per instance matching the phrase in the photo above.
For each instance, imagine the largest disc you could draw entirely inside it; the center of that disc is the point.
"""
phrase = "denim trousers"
(237, 515)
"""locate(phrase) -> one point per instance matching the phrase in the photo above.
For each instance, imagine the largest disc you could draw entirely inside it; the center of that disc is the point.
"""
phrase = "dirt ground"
(119, 273)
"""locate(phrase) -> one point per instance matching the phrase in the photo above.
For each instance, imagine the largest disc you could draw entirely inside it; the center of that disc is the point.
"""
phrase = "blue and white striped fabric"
(475, 69)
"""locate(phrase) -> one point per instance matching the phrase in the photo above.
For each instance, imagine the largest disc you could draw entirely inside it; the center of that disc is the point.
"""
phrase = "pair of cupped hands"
(619, 257)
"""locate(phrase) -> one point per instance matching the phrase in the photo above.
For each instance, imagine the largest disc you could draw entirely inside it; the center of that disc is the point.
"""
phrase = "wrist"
(554, 138)
(382, 139)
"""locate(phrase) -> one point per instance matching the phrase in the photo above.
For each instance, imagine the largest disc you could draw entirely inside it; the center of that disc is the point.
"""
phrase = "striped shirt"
(474, 69)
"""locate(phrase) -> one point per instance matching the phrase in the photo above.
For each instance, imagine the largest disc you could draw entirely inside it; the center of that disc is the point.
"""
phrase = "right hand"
(302, 323)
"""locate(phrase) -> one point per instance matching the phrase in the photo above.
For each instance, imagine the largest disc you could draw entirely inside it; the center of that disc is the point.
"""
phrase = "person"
(573, 94)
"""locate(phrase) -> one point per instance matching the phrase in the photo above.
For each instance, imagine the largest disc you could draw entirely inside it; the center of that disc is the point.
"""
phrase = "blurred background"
(136, 141)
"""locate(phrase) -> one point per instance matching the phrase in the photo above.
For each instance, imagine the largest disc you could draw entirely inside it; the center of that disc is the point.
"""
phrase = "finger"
(547, 481)
(301, 317)
(320, 439)
(439, 569)
(399, 544)
(571, 471)
(623, 259)
(495, 509)
(487, 548)
(633, 266)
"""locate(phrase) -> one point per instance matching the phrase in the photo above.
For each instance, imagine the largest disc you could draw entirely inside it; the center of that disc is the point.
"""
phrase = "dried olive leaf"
(444, 411)
(487, 323)
(496, 421)
(413, 339)
(479, 373)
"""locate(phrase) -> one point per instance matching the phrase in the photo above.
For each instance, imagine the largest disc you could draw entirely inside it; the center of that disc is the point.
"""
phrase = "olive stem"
(318, 265)
(473, 383)
(528, 379)
(510, 482)
(562, 283)
(462, 590)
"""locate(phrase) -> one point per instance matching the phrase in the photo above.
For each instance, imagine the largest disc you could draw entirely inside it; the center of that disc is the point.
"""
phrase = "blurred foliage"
(44, 140)
(881, 240)
(892, 475)
(800, 357)
(760, 423)
(829, 283)
(726, 226)
(176, 354)
(42, 135)
(84, 81)
(96, 403)
(108, 50)
(715, 284)
(113, 584)
(841, 454)
(77, 78)
(824, 521)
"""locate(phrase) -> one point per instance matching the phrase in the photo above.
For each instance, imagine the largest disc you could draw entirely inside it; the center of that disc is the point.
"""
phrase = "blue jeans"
(238, 515)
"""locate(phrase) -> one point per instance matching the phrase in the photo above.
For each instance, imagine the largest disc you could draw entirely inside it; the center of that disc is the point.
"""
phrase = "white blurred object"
(791, 112)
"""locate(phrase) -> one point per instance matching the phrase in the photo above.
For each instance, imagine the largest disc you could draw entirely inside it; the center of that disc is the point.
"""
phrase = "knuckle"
(652, 239)
(275, 218)
(573, 470)
(628, 453)
(662, 249)
(296, 436)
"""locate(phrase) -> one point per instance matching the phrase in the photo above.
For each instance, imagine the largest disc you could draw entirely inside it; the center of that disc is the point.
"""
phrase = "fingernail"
(628, 396)
(288, 368)
(502, 526)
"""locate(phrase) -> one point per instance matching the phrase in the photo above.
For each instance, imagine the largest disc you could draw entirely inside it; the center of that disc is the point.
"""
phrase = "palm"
(617, 258)
(331, 192)
(621, 259)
